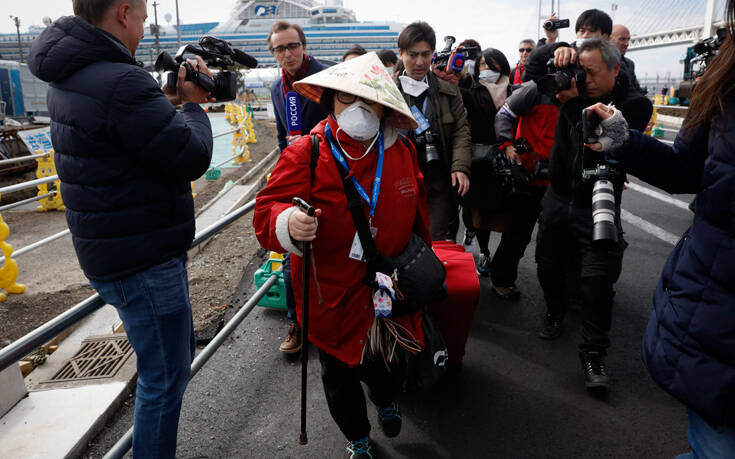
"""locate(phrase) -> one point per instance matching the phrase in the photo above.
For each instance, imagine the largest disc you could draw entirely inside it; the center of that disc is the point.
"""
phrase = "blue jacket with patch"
(124, 155)
(689, 344)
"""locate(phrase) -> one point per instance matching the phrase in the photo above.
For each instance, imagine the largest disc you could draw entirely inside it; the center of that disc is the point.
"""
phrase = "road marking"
(660, 196)
(649, 227)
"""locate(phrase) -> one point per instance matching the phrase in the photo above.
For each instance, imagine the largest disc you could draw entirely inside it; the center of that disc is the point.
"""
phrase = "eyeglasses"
(525, 50)
(347, 98)
(282, 48)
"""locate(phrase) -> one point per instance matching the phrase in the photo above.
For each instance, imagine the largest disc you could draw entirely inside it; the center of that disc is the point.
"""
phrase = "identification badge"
(420, 119)
(356, 251)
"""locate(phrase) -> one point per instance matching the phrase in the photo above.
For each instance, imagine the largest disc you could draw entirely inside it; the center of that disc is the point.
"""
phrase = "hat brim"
(365, 77)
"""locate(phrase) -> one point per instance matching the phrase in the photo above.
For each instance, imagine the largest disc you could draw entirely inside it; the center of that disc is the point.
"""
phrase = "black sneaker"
(360, 449)
(552, 327)
(595, 370)
(483, 265)
(468, 236)
(389, 418)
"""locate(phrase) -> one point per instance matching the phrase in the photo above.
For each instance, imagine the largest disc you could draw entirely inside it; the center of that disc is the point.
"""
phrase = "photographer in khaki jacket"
(443, 137)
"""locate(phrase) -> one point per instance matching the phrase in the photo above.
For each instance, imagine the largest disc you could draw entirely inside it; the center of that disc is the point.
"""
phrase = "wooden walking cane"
(309, 210)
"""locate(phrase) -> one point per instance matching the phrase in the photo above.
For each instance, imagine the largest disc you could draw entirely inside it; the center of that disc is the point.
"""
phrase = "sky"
(494, 23)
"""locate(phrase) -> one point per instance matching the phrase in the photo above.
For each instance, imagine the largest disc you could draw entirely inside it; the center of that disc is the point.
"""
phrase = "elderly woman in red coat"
(366, 111)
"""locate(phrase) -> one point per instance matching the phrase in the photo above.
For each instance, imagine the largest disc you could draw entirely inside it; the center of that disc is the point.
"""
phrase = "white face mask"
(390, 69)
(470, 66)
(412, 87)
(580, 41)
(359, 121)
(489, 76)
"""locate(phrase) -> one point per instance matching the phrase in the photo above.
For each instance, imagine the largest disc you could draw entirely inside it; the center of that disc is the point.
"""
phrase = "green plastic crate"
(275, 297)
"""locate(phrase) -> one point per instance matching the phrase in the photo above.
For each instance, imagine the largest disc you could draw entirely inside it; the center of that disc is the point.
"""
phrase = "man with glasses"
(295, 116)
(524, 50)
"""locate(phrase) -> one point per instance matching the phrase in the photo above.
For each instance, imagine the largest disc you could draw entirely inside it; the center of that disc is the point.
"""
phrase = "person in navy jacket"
(287, 42)
(689, 343)
(125, 157)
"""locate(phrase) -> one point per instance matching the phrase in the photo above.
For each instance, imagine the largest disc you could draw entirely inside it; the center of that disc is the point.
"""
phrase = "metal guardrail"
(222, 134)
(38, 244)
(126, 441)
(26, 201)
(28, 184)
(21, 159)
(677, 107)
(18, 349)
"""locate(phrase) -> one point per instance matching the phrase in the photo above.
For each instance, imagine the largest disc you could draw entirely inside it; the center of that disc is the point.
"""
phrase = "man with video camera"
(443, 137)
(580, 228)
(125, 157)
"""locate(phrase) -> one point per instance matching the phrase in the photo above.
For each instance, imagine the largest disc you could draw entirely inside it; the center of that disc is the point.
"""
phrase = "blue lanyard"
(378, 171)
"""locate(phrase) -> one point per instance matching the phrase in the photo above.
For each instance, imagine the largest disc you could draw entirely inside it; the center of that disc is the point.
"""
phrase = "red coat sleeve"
(290, 178)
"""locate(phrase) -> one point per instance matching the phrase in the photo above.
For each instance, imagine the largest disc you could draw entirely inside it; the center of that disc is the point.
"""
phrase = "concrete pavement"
(517, 396)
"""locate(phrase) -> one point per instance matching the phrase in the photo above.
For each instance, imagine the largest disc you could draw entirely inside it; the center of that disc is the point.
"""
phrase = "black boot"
(594, 369)
(551, 328)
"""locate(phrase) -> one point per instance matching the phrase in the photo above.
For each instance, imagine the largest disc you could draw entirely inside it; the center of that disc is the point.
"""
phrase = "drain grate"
(98, 357)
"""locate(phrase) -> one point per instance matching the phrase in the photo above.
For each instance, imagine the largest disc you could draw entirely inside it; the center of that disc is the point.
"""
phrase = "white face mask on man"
(489, 76)
(359, 121)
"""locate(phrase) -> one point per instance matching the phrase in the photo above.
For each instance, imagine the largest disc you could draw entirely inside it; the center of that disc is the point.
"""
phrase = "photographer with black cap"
(567, 228)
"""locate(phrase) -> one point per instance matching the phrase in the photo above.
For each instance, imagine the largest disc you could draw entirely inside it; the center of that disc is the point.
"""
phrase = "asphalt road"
(517, 396)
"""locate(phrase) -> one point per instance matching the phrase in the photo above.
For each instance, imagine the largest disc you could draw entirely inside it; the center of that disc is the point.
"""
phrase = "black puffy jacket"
(124, 155)
(689, 344)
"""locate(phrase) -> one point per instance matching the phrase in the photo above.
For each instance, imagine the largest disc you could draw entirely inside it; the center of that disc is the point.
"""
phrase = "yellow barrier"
(244, 134)
(652, 123)
(47, 168)
(9, 270)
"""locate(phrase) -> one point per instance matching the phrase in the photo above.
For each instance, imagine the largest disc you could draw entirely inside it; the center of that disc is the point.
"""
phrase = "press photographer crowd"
(390, 167)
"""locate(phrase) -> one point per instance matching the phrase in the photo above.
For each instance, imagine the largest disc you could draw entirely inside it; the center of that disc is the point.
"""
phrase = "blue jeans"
(706, 442)
(154, 307)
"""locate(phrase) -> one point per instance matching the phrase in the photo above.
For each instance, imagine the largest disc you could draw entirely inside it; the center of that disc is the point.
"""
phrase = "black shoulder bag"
(417, 273)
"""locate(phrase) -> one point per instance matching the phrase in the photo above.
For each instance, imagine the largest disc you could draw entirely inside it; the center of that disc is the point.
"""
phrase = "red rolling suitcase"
(456, 311)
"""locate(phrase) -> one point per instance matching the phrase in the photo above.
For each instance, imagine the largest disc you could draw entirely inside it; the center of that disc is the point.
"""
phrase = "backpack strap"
(314, 155)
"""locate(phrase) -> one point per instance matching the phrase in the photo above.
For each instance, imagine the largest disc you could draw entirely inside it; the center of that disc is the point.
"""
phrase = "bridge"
(657, 23)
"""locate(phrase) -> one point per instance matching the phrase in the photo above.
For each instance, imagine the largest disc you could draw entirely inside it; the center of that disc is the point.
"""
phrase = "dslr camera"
(454, 58)
(602, 174)
(428, 140)
(216, 53)
(560, 79)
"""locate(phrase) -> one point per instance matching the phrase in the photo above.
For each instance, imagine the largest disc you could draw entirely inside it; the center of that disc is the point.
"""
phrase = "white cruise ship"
(330, 28)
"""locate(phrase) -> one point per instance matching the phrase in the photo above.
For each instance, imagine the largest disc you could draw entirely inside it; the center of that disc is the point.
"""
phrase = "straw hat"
(364, 76)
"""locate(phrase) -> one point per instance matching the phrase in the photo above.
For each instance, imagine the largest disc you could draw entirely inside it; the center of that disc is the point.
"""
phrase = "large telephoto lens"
(603, 213)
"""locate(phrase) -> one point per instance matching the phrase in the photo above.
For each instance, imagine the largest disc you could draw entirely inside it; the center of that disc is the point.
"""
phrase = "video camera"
(706, 49)
(560, 79)
(216, 53)
(603, 175)
(554, 24)
(456, 58)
